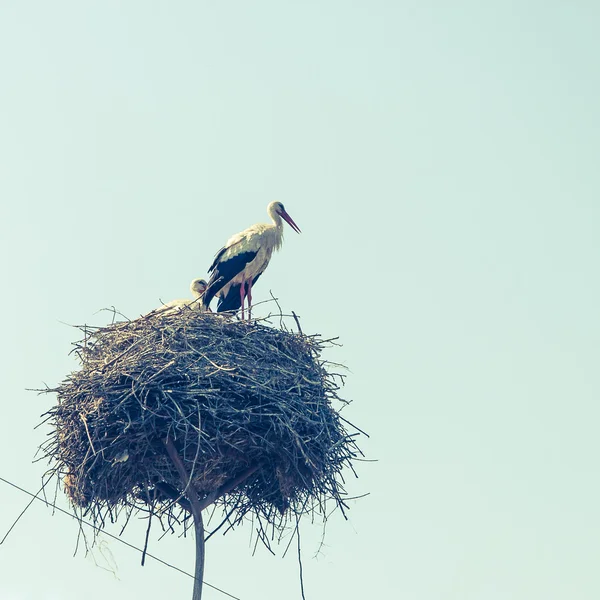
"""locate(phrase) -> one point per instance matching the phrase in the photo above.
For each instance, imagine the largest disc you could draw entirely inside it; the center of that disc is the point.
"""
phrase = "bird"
(121, 457)
(198, 288)
(238, 265)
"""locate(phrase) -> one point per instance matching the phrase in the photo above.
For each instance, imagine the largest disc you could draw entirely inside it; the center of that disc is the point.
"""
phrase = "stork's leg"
(249, 294)
(242, 296)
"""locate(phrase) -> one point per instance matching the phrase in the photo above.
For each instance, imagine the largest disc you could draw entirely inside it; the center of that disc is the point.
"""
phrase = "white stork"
(197, 287)
(243, 259)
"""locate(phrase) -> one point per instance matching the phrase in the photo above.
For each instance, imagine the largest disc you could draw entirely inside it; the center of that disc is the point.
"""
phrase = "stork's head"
(198, 287)
(276, 209)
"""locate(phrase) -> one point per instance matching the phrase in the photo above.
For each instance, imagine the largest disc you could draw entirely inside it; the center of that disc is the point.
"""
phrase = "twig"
(147, 536)
(88, 432)
(300, 560)
(297, 319)
(279, 308)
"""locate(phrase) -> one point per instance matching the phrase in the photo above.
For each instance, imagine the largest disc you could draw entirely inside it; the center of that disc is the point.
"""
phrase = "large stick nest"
(240, 401)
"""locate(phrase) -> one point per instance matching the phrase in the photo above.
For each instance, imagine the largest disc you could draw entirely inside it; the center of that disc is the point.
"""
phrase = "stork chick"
(198, 288)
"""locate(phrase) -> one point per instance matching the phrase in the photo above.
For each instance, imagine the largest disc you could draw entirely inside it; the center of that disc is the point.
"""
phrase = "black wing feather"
(217, 257)
(224, 271)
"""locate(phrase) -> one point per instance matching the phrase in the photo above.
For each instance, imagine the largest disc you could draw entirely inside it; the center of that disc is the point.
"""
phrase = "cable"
(36, 497)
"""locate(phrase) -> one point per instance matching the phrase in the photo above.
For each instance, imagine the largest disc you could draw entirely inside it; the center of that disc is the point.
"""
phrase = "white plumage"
(197, 287)
(244, 258)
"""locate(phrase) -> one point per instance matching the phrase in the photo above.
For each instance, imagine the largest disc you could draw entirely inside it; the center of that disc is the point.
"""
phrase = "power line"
(66, 512)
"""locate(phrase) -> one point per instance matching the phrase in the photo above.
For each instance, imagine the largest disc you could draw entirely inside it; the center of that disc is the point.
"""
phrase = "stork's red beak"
(290, 221)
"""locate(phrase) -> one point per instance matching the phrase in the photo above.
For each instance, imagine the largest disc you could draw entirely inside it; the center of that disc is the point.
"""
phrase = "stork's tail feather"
(212, 290)
(231, 301)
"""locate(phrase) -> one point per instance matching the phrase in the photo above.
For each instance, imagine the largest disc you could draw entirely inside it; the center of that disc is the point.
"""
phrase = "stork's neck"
(277, 220)
(277, 236)
(275, 216)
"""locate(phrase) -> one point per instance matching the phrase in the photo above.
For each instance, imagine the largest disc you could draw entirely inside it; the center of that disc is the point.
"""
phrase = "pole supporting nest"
(196, 510)
(195, 505)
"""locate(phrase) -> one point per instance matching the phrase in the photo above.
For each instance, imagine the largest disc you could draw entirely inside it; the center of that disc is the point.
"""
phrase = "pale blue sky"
(441, 160)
